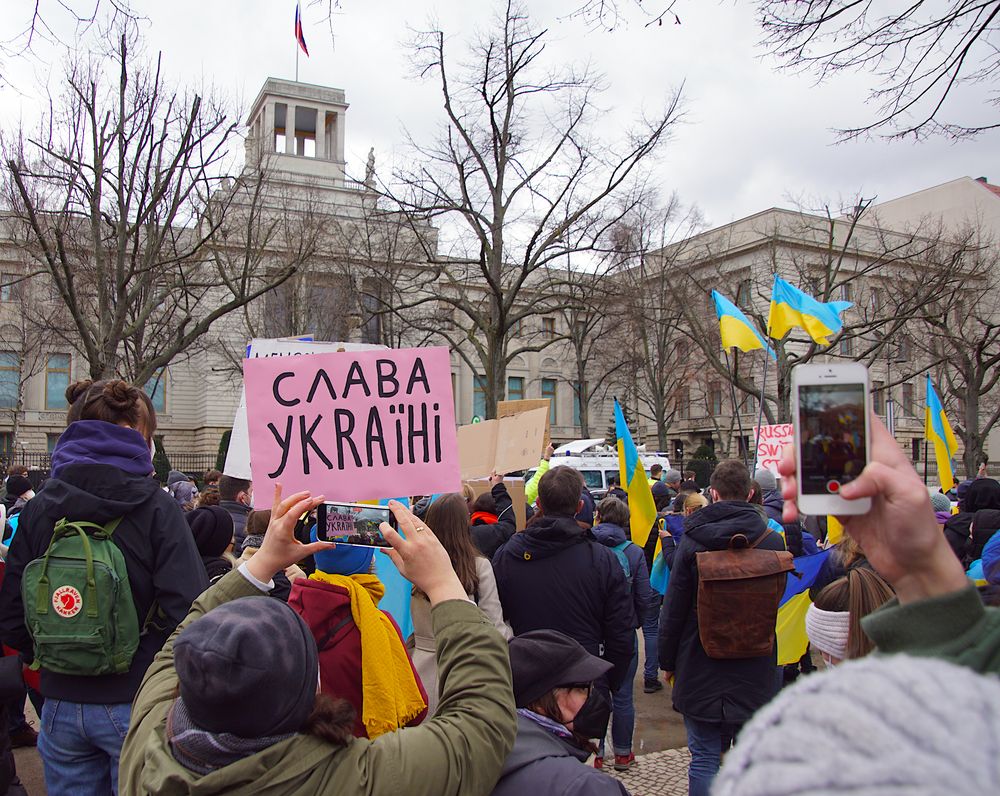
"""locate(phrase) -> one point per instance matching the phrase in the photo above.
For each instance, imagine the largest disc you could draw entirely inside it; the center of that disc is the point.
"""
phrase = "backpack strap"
(746, 542)
(619, 550)
(332, 632)
(66, 528)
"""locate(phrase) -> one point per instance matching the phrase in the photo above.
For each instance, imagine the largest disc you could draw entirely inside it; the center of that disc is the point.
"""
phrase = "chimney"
(983, 180)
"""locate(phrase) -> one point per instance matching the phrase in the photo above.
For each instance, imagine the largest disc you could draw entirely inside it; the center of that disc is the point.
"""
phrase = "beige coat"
(423, 650)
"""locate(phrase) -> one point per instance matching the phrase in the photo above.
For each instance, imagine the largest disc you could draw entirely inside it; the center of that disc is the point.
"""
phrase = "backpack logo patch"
(67, 601)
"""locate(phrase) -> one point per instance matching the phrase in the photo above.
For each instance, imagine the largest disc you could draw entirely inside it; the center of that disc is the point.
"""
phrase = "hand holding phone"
(353, 524)
(831, 406)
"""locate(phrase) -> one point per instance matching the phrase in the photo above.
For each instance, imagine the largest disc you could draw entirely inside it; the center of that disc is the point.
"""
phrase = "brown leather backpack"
(738, 594)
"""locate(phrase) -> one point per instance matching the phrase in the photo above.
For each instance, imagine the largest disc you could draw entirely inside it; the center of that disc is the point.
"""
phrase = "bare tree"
(922, 55)
(961, 340)
(519, 181)
(652, 353)
(120, 201)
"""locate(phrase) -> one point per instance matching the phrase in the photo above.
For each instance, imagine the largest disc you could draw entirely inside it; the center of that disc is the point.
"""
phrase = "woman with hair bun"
(101, 470)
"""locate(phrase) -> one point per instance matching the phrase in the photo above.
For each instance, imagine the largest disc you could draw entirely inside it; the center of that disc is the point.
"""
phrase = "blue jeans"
(707, 741)
(650, 635)
(79, 745)
(623, 711)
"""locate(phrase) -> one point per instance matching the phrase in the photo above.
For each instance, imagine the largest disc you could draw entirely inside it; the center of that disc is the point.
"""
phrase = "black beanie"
(17, 485)
(212, 528)
(249, 667)
(541, 660)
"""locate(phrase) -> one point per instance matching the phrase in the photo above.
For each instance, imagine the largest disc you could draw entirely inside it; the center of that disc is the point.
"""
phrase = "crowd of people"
(233, 651)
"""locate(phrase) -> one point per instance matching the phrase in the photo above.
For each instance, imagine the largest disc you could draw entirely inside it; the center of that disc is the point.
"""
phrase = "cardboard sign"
(515, 488)
(502, 446)
(771, 441)
(508, 408)
(238, 455)
(369, 424)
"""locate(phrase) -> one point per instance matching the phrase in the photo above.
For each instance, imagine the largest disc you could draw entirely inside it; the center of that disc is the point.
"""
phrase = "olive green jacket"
(955, 627)
(459, 751)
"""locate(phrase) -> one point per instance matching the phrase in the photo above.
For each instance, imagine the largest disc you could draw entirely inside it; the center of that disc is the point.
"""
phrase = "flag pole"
(760, 401)
(296, 60)
(925, 461)
(736, 409)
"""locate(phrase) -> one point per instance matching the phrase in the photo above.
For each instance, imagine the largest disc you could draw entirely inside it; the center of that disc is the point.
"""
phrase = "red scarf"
(485, 516)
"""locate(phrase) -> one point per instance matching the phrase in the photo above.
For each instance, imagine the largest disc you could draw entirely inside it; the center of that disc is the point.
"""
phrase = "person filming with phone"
(230, 704)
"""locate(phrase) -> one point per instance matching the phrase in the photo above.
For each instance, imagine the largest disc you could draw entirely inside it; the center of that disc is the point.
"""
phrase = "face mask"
(591, 721)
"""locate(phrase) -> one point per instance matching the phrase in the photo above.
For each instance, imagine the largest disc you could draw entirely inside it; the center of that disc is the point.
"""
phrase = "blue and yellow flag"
(642, 509)
(791, 624)
(937, 430)
(790, 307)
(735, 328)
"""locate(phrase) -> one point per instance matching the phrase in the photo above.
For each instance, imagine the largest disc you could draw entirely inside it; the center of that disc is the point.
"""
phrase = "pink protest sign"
(353, 425)
(771, 441)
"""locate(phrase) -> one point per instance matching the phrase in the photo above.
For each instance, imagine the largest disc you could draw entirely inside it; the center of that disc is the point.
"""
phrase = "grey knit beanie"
(766, 479)
(940, 502)
(878, 725)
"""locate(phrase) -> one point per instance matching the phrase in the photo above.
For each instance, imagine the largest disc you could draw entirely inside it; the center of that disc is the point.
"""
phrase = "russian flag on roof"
(299, 35)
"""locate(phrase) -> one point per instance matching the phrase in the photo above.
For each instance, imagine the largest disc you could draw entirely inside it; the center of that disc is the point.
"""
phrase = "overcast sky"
(753, 138)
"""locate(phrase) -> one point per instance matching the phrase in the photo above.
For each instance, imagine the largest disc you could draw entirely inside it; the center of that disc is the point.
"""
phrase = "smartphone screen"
(352, 523)
(832, 436)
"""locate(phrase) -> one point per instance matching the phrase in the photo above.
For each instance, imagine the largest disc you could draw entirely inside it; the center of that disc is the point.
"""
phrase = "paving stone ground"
(657, 774)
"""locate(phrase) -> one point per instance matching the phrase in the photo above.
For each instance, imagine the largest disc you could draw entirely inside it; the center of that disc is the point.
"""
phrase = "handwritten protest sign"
(504, 445)
(771, 441)
(238, 455)
(352, 425)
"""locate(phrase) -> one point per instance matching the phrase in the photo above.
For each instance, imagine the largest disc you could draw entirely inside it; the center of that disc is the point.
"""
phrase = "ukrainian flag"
(735, 328)
(937, 429)
(790, 307)
(641, 508)
(791, 624)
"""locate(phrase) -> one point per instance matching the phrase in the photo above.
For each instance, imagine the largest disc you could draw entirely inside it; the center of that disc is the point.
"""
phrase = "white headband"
(828, 630)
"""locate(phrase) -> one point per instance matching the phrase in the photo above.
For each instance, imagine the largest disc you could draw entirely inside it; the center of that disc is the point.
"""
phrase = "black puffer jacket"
(706, 688)
(555, 576)
(489, 536)
(160, 555)
(541, 762)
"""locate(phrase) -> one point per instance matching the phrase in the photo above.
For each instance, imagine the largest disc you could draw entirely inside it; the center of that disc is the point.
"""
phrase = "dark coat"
(985, 523)
(326, 609)
(489, 536)
(160, 555)
(555, 576)
(239, 514)
(542, 762)
(645, 601)
(774, 503)
(706, 688)
(957, 532)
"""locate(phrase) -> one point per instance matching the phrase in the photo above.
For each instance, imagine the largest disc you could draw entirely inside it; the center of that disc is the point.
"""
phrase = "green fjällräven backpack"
(78, 603)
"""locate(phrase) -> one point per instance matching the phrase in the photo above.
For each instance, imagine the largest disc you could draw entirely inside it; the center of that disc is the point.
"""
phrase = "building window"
(578, 390)
(915, 449)
(56, 380)
(875, 300)
(715, 398)
(51, 440)
(10, 379)
(156, 389)
(549, 327)
(847, 346)
(743, 294)
(907, 402)
(904, 353)
(280, 121)
(847, 292)
(479, 397)
(515, 388)
(305, 132)
(549, 391)
(10, 287)
(683, 400)
(6, 444)
(371, 324)
(878, 397)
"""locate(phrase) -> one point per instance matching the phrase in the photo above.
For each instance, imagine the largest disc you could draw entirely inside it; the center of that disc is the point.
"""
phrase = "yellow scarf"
(390, 695)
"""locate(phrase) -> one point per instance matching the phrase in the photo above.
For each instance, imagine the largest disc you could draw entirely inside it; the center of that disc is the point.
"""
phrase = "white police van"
(596, 461)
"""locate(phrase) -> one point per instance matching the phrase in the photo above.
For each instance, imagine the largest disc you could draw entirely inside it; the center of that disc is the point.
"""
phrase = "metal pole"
(925, 461)
(736, 409)
(296, 75)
